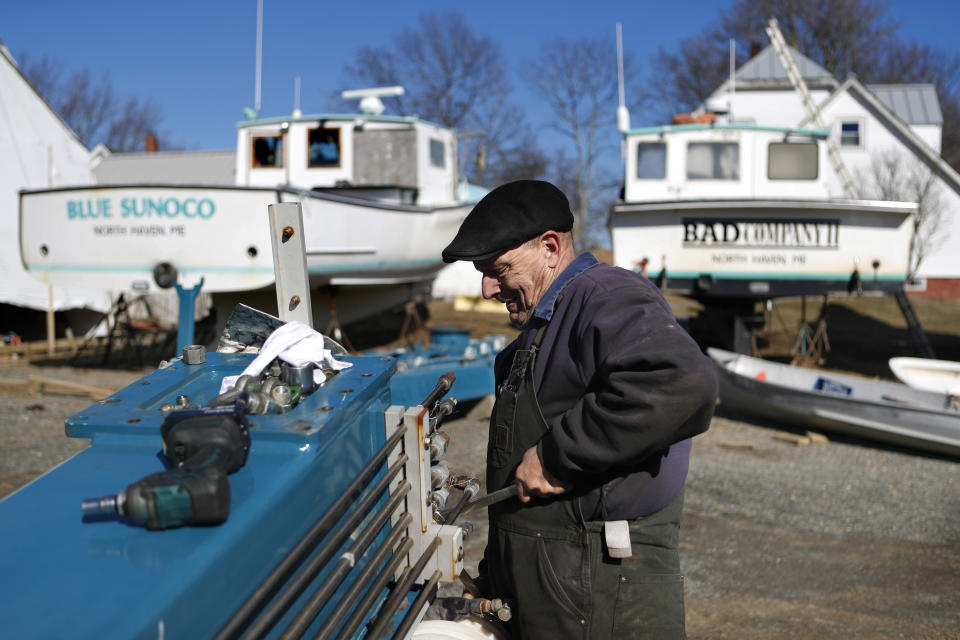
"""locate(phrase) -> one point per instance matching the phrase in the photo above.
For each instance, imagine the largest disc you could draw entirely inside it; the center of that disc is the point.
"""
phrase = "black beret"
(508, 216)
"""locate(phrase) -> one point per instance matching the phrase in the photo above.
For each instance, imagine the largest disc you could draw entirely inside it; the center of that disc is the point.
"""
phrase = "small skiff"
(877, 410)
(940, 376)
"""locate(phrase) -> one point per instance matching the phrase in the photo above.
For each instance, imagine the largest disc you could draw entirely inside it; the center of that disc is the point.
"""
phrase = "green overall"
(553, 563)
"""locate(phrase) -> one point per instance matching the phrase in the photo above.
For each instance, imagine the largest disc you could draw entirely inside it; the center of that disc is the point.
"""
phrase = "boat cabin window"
(268, 151)
(850, 133)
(792, 161)
(713, 161)
(651, 160)
(323, 147)
(438, 157)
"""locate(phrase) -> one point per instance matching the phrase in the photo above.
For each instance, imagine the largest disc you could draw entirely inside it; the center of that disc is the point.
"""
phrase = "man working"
(597, 400)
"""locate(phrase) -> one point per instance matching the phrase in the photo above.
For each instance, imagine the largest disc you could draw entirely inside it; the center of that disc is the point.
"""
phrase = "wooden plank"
(792, 438)
(731, 444)
(54, 385)
(15, 386)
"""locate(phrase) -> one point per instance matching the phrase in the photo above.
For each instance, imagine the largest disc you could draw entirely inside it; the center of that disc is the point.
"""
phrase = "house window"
(713, 161)
(438, 157)
(651, 160)
(792, 161)
(850, 134)
(323, 147)
(268, 151)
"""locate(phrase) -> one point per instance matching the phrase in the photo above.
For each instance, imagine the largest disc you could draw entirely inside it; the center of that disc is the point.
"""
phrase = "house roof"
(766, 68)
(912, 103)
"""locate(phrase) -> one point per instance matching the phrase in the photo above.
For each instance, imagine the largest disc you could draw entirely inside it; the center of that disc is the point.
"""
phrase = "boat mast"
(623, 116)
(257, 77)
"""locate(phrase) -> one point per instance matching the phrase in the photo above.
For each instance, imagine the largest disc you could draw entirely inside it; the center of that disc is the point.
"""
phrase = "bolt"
(287, 233)
(194, 354)
(294, 302)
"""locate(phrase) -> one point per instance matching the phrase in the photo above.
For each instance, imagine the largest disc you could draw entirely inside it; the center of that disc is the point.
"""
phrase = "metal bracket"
(448, 558)
(290, 262)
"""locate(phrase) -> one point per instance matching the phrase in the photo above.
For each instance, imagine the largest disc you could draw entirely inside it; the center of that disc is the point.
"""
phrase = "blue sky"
(195, 60)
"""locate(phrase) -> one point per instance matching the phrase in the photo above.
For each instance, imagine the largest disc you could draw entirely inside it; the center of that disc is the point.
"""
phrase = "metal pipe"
(343, 567)
(416, 607)
(443, 385)
(366, 603)
(306, 544)
(392, 604)
(470, 488)
(299, 582)
(230, 397)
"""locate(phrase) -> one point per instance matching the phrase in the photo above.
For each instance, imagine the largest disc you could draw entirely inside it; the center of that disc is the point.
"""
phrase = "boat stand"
(810, 345)
(126, 337)
(334, 330)
(913, 325)
(413, 323)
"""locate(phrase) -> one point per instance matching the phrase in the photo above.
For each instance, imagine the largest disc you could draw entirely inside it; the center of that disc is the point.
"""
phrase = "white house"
(900, 125)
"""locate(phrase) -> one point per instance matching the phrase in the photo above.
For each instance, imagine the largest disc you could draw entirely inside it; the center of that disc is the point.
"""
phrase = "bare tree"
(456, 78)
(682, 80)
(85, 104)
(893, 175)
(129, 127)
(90, 106)
(843, 36)
(577, 78)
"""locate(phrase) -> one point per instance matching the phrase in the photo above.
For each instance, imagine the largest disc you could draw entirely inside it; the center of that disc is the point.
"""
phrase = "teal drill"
(202, 446)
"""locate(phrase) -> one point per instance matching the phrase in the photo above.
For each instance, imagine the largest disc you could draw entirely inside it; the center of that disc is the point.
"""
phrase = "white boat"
(731, 210)
(940, 376)
(862, 408)
(381, 197)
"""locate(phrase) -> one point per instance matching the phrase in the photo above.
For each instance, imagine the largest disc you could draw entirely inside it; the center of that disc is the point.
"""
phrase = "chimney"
(150, 145)
(755, 48)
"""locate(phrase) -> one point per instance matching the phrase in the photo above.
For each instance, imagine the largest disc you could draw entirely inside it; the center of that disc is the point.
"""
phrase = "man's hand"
(534, 480)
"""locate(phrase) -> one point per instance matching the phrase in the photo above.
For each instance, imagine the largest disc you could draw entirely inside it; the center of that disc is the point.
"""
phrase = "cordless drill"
(203, 446)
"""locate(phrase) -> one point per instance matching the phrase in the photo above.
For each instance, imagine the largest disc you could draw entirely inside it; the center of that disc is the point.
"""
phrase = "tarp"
(39, 151)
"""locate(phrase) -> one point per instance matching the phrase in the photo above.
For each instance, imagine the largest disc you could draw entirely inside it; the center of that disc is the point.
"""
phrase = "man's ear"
(550, 244)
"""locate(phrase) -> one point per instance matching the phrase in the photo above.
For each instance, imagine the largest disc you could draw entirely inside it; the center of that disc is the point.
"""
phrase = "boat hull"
(760, 249)
(866, 409)
(112, 237)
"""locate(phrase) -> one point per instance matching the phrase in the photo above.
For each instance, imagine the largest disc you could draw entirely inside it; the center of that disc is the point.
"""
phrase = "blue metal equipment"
(449, 349)
(187, 300)
(330, 532)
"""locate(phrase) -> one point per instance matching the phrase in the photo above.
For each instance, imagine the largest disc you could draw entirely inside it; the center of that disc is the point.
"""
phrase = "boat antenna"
(296, 97)
(623, 116)
(257, 74)
(733, 76)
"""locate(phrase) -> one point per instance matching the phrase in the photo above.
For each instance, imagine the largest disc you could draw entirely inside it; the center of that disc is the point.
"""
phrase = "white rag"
(296, 344)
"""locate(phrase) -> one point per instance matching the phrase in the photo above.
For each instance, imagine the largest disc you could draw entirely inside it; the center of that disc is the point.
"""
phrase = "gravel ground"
(32, 438)
(836, 540)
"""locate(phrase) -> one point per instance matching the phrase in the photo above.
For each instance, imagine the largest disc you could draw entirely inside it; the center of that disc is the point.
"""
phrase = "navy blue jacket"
(622, 387)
